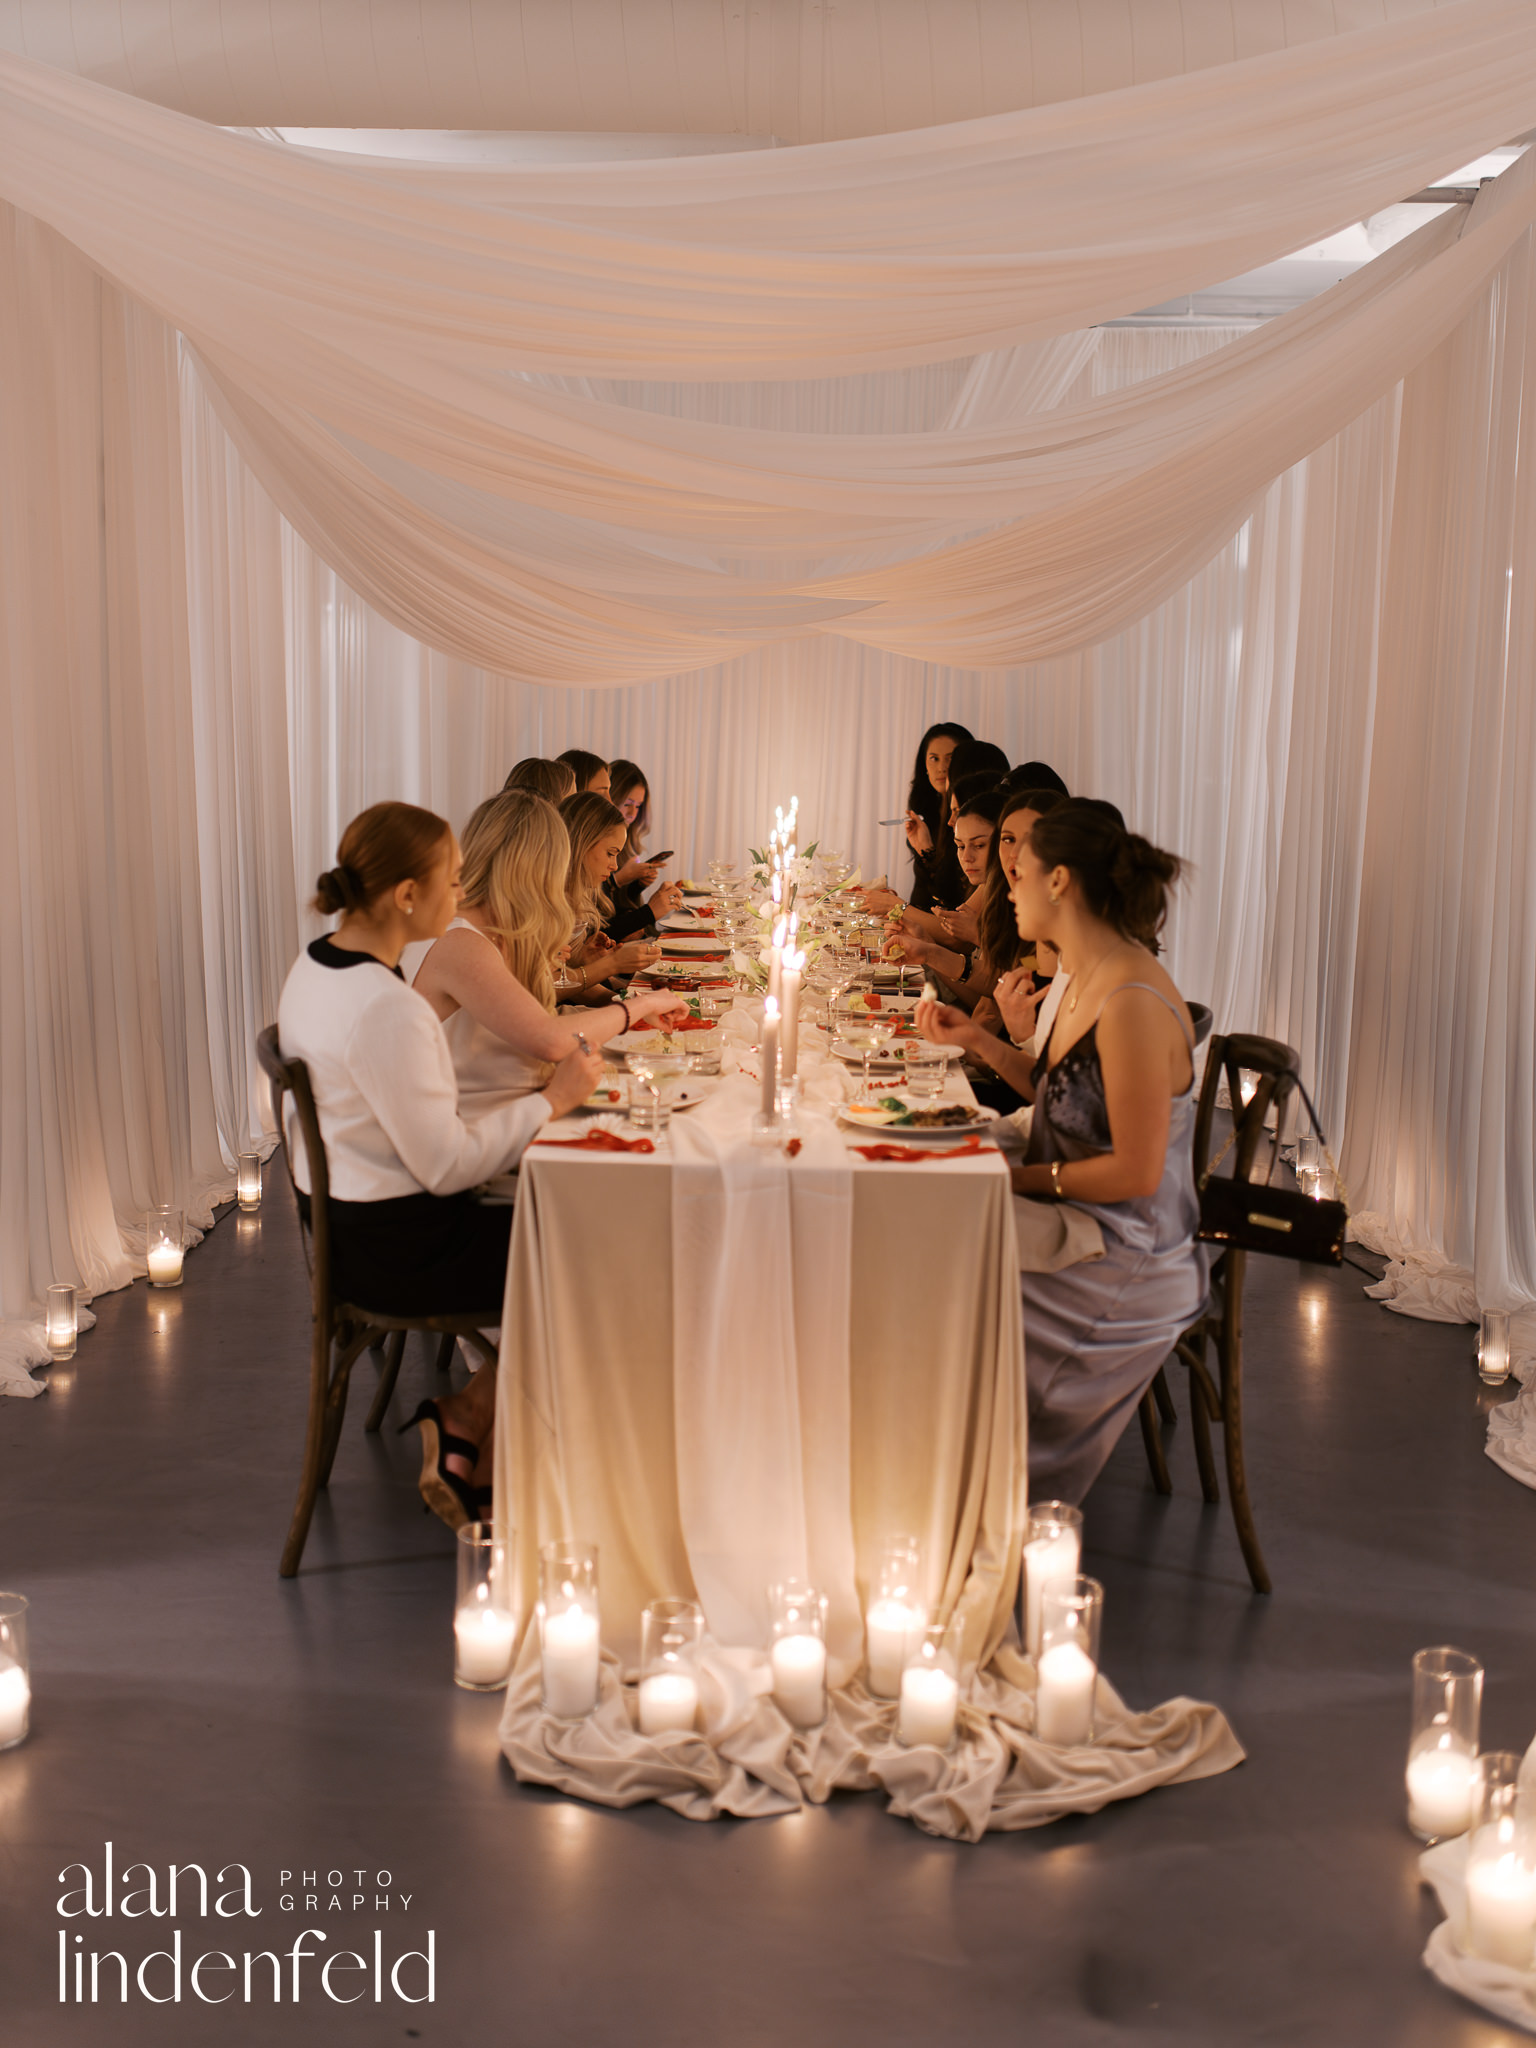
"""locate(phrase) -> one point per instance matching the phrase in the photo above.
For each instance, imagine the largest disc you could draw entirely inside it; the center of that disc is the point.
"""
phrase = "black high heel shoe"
(449, 1497)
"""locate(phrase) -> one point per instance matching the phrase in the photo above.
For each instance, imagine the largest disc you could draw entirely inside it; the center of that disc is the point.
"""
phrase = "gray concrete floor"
(190, 1707)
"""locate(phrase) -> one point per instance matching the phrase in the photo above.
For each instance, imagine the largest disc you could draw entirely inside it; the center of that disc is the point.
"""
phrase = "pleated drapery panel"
(796, 69)
(806, 262)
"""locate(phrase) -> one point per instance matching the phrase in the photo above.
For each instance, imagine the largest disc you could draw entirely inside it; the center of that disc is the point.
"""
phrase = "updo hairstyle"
(1124, 878)
(383, 846)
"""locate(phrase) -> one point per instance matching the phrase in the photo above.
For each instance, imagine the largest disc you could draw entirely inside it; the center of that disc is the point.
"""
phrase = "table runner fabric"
(1507, 1993)
(761, 1249)
(748, 1762)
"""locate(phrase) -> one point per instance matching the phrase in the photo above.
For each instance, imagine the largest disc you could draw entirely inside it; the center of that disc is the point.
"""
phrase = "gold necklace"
(1083, 981)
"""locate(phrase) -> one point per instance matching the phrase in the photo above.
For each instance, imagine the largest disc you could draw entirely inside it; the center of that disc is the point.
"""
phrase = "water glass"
(926, 1067)
(1442, 1742)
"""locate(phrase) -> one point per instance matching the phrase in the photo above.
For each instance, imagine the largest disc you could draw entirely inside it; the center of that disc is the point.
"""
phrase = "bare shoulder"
(1143, 994)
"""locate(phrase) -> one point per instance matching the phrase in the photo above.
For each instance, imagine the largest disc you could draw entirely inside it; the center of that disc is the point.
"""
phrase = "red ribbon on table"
(600, 1141)
(898, 1154)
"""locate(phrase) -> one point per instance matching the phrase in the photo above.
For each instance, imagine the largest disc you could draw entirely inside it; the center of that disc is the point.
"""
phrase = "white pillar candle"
(1440, 1788)
(15, 1700)
(799, 1679)
(930, 1700)
(571, 1656)
(164, 1262)
(891, 1631)
(668, 1699)
(1501, 1910)
(1048, 1561)
(769, 1055)
(1064, 1700)
(484, 1637)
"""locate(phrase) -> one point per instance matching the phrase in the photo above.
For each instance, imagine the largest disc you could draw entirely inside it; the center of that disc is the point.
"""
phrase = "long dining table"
(726, 1362)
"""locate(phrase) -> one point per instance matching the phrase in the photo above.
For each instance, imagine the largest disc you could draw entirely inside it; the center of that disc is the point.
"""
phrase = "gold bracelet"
(1056, 1179)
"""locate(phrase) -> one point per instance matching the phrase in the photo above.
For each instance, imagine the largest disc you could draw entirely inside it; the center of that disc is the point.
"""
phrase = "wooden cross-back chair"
(342, 1330)
(1274, 1070)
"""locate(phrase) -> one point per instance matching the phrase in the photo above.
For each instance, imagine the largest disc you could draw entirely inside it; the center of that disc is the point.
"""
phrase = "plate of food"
(690, 943)
(876, 1002)
(688, 971)
(885, 1058)
(908, 1118)
(694, 1034)
(608, 1095)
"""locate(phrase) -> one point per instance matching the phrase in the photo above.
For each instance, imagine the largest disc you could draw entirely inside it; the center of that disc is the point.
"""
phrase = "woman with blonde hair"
(598, 832)
(491, 977)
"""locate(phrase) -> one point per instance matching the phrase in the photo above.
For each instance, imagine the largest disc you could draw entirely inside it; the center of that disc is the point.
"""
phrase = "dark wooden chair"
(342, 1330)
(1274, 1070)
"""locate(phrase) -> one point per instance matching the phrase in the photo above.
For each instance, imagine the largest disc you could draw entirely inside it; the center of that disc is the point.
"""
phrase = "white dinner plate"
(978, 1117)
(690, 942)
(685, 970)
(888, 1059)
(890, 1005)
(657, 1040)
(608, 1096)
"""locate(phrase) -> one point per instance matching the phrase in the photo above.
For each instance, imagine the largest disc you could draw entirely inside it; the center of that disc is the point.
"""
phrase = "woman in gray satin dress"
(1114, 1109)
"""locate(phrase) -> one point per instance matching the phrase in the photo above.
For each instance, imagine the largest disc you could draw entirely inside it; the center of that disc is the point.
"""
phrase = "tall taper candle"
(769, 1055)
(794, 962)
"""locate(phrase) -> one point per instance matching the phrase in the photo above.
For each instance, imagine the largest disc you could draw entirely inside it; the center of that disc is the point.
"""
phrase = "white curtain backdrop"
(1314, 677)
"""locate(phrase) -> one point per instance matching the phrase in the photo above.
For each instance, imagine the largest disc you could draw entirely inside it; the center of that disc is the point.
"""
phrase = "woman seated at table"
(490, 978)
(949, 946)
(597, 832)
(630, 795)
(927, 806)
(1114, 1107)
(590, 771)
(408, 1236)
(552, 780)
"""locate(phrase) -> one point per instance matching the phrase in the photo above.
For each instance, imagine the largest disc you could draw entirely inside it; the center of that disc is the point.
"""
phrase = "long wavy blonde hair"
(516, 853)
(587, 817)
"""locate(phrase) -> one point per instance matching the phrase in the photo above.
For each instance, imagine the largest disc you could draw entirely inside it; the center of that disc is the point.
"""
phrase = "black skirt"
(420, 1255)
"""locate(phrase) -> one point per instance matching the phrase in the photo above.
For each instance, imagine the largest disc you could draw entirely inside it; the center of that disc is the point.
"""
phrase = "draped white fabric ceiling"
(360, 320)
(800, 70)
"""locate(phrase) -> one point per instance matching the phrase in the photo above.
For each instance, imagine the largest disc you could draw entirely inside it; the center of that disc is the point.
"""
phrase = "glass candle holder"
(1053, 1550)
(799, 1652)
(930, 1689)
(248, 1180)
(670, 1634)
(1493, 1347)
(61, 1322)
(164, 1246)
(1500, 1921)
(1068, 1664)
(1442, 1744)
(570, 1629)
(484, 1614)
(15, 1671)
(896, 1616)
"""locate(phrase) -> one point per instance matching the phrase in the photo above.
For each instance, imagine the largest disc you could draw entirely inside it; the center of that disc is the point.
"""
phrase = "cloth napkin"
(600, 1141)
(1508, 1993)
(900, 1155)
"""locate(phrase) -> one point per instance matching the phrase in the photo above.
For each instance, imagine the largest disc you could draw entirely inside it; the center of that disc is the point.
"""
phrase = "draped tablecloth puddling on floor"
(726, 1367)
